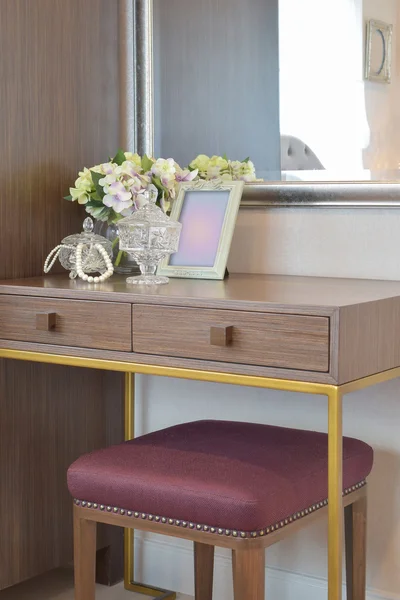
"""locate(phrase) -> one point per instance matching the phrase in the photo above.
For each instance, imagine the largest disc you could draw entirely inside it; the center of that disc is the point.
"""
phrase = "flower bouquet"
(117, 188)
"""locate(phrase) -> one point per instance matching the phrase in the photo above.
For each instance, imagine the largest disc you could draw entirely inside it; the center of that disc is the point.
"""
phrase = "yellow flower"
(218, 161)
(201, 163)
(84, 181)
(80, 195)
(134, 158)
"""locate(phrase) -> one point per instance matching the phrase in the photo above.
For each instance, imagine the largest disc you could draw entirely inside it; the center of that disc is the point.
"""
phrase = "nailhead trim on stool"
(218, 530)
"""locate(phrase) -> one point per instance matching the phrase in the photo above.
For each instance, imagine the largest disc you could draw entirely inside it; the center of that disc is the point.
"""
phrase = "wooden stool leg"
(84, 557)
(203, 571)
(249, 574)
(356, 546)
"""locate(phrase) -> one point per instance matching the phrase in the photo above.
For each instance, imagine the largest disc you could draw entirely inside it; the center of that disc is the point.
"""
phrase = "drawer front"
(100, 325)
(264, 339)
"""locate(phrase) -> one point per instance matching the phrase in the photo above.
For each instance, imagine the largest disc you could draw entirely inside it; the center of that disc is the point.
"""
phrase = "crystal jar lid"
(149, 215)
(87, 237)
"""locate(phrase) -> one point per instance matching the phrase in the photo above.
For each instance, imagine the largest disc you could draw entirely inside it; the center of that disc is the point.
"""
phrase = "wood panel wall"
(59, 111)
(48, 418)
(59, 102)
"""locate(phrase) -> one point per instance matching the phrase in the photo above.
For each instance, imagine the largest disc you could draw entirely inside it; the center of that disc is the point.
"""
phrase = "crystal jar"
(123, 263)
(92, 260)
(148, 236)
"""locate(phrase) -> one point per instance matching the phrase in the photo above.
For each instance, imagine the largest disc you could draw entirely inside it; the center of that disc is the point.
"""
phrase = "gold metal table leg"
(129, 558)
(335, 489)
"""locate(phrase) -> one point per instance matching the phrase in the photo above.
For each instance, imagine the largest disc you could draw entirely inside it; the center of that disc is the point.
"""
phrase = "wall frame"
(378, 51)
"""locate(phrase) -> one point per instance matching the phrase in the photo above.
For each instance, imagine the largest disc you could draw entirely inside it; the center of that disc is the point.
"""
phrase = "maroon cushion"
(239, 476)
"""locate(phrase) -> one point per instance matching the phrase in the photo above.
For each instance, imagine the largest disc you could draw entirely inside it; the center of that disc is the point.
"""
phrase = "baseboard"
(166, 564)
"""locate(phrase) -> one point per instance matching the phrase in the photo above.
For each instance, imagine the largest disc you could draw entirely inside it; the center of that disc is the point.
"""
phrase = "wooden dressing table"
(312, 335)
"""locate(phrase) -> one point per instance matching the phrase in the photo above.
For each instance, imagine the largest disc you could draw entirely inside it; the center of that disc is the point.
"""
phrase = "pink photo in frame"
(208, 212)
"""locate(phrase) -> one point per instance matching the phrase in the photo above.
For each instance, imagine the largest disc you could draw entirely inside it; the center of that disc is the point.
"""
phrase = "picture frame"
(208, 212)
(378, 56)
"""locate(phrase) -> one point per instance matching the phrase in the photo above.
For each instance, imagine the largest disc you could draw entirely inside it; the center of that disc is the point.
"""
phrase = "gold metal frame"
(129, 550)
(334, 394)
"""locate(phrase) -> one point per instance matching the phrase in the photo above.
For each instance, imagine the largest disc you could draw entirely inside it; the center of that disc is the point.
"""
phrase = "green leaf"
(158, 184)
(100, 213)
(246, 160)
(224, 156)
(96, 178)
(146, 163)
(93, 203)
(113, 217)
(103, 215)
(68, 198)
(191, 169)
(119, 158)
(95, 196)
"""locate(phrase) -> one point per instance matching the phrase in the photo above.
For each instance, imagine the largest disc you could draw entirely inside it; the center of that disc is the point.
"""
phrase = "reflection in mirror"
(281, 81)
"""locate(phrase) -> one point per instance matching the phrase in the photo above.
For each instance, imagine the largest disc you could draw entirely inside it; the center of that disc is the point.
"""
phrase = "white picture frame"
(208, 212)
(378, 55)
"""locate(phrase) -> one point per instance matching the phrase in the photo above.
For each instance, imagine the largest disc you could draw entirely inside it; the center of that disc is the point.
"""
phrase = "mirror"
(307, 89)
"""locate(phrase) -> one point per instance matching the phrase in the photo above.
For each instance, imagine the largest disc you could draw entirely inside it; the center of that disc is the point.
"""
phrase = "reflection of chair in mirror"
(297, 156)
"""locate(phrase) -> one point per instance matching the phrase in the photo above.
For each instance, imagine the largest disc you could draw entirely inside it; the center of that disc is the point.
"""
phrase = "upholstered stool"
(238, 485)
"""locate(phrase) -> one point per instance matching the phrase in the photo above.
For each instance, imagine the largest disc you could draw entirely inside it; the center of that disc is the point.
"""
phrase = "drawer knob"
(46, 321)
(221, 336)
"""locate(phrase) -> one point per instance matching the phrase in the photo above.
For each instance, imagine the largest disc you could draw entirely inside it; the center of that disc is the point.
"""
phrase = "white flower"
(164, 168)
(244, 171)
(135, 185)
(185, 174)
(213, 172)
(117, 197)
(108, 180)
(108, 168)
(130, 168)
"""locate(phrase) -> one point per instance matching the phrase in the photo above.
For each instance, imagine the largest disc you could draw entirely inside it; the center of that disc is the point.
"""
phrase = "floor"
(58, 585)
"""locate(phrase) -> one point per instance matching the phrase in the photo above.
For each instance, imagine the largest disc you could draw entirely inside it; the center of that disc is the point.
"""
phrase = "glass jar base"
(127, 269)
(147, 280)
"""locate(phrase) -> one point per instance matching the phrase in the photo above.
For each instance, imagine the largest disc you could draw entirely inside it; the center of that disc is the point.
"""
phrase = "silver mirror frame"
(137, 129)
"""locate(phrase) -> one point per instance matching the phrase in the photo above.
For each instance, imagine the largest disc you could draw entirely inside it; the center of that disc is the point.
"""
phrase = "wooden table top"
(253, 292)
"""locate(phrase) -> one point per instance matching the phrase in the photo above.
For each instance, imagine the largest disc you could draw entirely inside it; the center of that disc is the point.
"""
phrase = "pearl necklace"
(79, 265)
(107, 261)
(54, 254)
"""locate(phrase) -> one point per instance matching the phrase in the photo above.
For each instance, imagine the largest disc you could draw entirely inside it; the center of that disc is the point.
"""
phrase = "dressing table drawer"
(84, 324)
(262, 339)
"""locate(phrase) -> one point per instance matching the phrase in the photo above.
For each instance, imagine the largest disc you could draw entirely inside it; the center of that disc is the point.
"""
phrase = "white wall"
(381, 100)
(322, 242)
